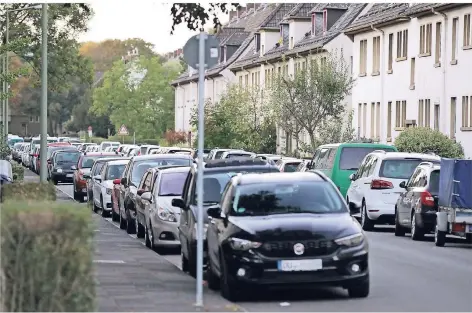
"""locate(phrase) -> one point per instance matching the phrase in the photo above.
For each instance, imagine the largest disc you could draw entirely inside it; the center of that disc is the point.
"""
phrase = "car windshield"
(434, 182)
(214, 183)
(218, 154)
(67, 157)
(318, 197)
(238, 155)
(87, 161)
(52, 149)
(172, 184)
(97, 168)
(399, 169)
(140, 167)
(105, 145)
(351, 157)
(115, 171)
(291, 167)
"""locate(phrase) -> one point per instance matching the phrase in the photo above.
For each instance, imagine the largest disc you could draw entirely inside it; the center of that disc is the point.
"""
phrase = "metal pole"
(134, 138)
(201, 97)
(7, 63)
(3, 100)
(44, 93)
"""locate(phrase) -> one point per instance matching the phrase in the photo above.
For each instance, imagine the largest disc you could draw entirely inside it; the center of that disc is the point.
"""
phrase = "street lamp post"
(44, 94)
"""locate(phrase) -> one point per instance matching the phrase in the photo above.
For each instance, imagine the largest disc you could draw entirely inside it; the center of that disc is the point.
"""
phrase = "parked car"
(287, 164)
(417, 205)
(61, 165)
(375, 186)
(216, 174)
(83, 146)
(276, 229)
(144, 149)
(131, 178)
(338, 161)
(216, 153)
(156, 219)
(103, 184)
(50, 152)
(106, 144)
(83, 166)
(237, 154)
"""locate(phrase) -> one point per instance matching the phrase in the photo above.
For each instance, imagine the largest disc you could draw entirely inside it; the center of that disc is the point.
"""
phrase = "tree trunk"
(312, 140)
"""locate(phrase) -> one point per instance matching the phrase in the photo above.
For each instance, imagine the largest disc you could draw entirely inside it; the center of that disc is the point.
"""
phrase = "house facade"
(295, 35)
(412, 64)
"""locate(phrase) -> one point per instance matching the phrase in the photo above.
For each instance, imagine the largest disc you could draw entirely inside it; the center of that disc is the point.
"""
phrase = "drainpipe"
(382, 135)
(443, 65)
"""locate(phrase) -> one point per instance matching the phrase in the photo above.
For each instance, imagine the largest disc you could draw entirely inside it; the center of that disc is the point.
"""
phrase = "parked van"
(338, 161)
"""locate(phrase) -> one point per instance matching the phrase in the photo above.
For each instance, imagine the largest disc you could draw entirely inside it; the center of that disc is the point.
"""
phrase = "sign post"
(123, 132)
(201, 51)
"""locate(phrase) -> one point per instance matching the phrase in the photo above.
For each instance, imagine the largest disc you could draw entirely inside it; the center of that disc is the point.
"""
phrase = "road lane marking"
(109, 261)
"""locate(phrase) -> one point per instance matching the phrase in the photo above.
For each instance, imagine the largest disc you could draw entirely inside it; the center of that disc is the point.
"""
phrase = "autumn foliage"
(174, 137)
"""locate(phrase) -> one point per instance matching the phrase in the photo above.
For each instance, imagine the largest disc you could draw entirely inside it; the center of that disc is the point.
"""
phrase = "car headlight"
(166, 215)
(195, 231)
(59, 170)
(243, 245)
(350, 241)
(109, 191)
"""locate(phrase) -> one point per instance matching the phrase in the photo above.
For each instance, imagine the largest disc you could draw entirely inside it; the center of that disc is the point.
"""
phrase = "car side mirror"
(403, 185)
(147, 196)
(353, 177)
(123, 181)
(179, 203)
(98, 178)
(73, 167)
(140, 192)
(116, 181)
(214, 211)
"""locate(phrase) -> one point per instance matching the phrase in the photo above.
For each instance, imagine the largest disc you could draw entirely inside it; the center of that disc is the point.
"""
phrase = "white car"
(230, 154)
(106, 144)
(375, 187)
(103, 186)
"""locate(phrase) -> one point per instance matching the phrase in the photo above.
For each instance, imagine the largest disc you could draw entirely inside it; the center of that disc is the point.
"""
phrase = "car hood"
(166, 203)
(298, 226)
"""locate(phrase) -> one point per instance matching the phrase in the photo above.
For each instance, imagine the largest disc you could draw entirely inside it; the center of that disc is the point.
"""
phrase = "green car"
(339, 160)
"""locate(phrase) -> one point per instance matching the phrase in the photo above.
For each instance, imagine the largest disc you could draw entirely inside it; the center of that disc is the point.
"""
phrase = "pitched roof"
(379, 13)
(301, 10)
(426, 8)
(235, 39)
(278, 15)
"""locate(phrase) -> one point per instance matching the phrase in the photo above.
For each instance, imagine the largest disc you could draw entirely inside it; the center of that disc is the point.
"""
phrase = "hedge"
(46, 257)
(424, 139)
(18, 171)
(29, 191)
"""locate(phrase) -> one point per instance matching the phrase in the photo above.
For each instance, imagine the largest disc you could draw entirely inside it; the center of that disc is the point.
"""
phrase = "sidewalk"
(31, 177)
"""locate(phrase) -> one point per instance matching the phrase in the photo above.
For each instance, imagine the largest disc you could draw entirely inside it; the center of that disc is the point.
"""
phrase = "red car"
(115, 200)
(84, 165)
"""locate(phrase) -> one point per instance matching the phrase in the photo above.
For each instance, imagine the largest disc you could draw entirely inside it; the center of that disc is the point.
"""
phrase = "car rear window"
(140, 167)
(87, 161)
(106, 145)
(67, 157)
(172, 184)
(218, 154)
(351, 157)
(434, 182)
(115, 171)
(238, 155)
(143, 150)
(291, 167)
(399, 168)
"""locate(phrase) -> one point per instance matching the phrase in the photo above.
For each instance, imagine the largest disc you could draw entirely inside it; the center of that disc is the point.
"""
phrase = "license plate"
(70, 175)
(299, 265)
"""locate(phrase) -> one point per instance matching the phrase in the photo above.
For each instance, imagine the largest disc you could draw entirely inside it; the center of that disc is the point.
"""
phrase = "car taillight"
(427, 199)
(380, 184)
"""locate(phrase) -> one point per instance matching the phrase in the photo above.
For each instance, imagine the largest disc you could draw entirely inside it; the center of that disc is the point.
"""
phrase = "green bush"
(29, 191)
(18, 172)
(46, 257)
(424, 139)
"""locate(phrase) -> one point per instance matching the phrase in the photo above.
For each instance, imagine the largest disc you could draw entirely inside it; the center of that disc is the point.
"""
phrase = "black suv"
(284, 229)
(416, 207)
(216, 175)
(61, 163)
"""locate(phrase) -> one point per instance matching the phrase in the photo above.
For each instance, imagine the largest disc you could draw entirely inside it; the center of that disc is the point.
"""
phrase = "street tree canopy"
(146, 107)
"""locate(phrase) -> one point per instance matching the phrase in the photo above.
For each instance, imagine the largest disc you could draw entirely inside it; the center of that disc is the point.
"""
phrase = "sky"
(149, 20)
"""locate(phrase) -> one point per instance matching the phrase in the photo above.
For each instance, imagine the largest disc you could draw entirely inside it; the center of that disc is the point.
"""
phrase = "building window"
(240, 81)
(467, 30)
(402, 44)
(257, 38)
(436, 116)
(246, 80)
(453, 117)
(420, 113)
(364, 120)
(390, 53)
(372, 120)
(262, 49)
(37, 118)
(427, 113)
(291, 42)
(376, 55)
(363, 57)
(438, 44)
(323, 61)
(400, 116)
(389, 120)
(425, 39)
(466, 112)
(31, 119)
(359, 119)
(325, 20)
(412, 73)
(313, 24)
(377, 121)
(252, 79)
(455, 22)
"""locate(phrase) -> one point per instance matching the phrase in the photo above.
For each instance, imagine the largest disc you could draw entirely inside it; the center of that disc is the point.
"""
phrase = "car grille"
(284, 249)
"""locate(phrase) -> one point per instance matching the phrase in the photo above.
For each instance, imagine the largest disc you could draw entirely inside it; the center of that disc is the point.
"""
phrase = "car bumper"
(62, 176)
(336, 270)
(426, 220)
(381, 212)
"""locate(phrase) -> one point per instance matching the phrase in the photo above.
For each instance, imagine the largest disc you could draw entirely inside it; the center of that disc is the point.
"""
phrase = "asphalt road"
(405, 276)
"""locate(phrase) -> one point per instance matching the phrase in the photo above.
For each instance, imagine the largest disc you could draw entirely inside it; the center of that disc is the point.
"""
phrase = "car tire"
(104, 212)
(361, 290)
(140, 231)
(229, 288)
(192, 265)
(94, 206)
(212, 279)
(184, 262)
(366, 223)
(114, 216)
(147, 240)
(439, 237)
(417, 232)
(122, 222)
(130, 227)
(400, 231)
(55, 181)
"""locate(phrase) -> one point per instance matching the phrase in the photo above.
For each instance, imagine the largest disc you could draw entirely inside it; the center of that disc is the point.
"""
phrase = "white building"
(413, 65)
(235, 39)
(289, 40)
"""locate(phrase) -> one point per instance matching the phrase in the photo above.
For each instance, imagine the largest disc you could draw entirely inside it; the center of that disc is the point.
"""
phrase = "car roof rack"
(234, 162)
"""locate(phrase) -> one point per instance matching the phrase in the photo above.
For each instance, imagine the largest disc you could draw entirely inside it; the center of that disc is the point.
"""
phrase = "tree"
(425, 139)
(241, 119)
(313, 95)
(196, 16)
(146, 107)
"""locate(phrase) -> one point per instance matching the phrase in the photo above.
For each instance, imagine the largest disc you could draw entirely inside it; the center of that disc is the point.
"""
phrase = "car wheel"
(94, 206)
(439, 237)
(130, 227)
(114, 216)
(361, 290)
(417, 233)
(400, 231)
(212, 279)
(122, 222)
(192, 265)
(147, 236)
(54, 181)
(104, 212)
(366, 222)
(184, 262)
(229, 288)
(139, 228)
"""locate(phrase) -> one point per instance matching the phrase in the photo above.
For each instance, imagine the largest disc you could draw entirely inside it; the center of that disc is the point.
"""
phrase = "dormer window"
(313, 24)
(325, 21)
(257, 41)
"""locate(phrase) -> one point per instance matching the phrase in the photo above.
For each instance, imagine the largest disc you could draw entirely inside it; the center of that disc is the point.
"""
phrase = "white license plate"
(299, 265)
(70, 175)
